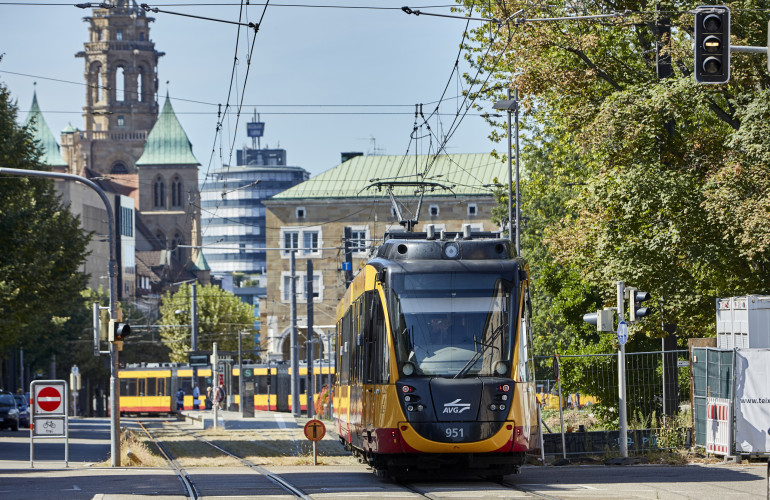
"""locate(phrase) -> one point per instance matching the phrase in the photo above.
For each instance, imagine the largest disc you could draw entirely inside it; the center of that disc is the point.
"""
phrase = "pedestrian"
(209, 404)
(196, 397)
(219, 397)
(180, 400)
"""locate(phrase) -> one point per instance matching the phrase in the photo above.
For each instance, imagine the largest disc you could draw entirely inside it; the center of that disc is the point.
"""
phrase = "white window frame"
(318, 287)
(366, 238)
(475, 208)
(430, 210)
(284, 232)
(301, 251)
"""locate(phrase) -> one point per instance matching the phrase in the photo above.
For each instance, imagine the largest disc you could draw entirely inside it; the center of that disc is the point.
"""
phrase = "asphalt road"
(87, 477)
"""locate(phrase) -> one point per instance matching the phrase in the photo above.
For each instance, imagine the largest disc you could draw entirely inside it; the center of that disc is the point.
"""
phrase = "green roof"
(167, 143)
(468, 173)
(51, 154)
(201, 264)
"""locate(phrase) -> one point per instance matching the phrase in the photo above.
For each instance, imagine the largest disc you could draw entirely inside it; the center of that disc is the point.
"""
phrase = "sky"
(324, 80)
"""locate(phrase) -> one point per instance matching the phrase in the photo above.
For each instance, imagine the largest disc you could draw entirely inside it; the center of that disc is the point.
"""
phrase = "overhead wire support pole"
(113, 273)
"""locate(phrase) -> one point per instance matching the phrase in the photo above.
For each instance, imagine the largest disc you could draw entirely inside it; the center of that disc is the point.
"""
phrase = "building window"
(358, 239)
(301, 287)
(290, 241)
(176, 191)
(141, 36)
(161, 239)
(159, 193)
(309, 242)
(119, 168)
(472, 210)
(433, 210)
(119, 35)
(126, 221)
(121, 121)
(301, 213)
(178, 252)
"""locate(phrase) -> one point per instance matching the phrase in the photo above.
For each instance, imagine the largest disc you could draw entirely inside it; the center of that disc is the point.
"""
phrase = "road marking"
(74, 488)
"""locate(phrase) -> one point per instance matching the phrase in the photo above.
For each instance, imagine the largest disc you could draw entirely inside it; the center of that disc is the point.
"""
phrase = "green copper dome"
(167, 143)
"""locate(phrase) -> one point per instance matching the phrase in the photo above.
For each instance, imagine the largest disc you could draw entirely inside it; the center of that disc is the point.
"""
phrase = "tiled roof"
(51, 154)
(167, 143)
(470, 174)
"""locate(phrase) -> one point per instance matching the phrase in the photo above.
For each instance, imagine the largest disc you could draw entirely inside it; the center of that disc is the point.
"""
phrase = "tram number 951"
(454, 432)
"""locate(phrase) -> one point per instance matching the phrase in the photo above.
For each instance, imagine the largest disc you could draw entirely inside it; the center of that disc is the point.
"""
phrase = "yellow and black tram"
(434, 361)
(150, 388)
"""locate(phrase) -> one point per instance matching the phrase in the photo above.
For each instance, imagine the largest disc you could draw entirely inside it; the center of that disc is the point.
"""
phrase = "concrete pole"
(194, 317)
(518, 192)
(309, 351)
(622, 417)
(215, 381)
(294, 348)
(511, 235)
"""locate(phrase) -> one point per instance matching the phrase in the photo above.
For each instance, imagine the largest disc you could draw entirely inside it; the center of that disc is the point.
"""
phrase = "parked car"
(23, 405)
(9, 412)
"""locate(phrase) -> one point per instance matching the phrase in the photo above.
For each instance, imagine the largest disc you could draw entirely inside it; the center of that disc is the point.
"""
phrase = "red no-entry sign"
(49, 399)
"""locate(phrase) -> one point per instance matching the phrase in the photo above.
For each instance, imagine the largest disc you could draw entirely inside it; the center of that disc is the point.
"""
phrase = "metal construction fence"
(657, 384)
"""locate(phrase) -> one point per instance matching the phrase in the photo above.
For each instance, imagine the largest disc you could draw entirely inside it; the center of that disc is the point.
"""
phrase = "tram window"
(302, 385)
(236, 385)
(162, 387)
(185, 383)
(128, 387)
(141, 387)
(151, 387)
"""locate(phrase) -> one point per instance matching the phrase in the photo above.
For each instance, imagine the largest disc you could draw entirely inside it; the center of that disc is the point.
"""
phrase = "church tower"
(121, 107)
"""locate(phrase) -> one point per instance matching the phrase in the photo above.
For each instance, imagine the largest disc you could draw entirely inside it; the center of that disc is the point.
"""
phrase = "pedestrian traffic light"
(712, 44)
(635, 309)
(602, 319)
(119, 331)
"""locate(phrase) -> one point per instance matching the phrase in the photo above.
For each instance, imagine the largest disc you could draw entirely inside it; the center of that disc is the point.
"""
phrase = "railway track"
(189, 485)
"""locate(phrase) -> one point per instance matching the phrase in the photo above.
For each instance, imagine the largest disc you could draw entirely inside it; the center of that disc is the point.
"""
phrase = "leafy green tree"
(221, 318)
(42, 247)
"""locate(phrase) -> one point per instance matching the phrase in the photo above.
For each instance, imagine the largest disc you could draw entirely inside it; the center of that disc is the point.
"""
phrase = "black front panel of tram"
(456, 410)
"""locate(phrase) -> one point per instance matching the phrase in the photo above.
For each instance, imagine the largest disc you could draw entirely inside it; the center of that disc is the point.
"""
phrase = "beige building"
(311, 218)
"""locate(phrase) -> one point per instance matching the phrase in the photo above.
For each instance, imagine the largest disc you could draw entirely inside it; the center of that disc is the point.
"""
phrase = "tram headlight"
(408, 369)
(501, 367)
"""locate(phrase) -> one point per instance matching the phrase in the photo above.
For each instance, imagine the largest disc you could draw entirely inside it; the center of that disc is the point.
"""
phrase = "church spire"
(51, 154)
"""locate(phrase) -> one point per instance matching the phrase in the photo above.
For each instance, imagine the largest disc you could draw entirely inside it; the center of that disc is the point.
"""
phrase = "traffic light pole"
(622, 417)
(113, 273)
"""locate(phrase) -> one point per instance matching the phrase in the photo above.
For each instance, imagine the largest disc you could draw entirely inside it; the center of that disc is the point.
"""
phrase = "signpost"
(49, 417)
(315, 430)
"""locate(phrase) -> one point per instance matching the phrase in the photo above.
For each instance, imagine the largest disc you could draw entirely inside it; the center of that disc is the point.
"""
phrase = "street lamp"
(511, 106)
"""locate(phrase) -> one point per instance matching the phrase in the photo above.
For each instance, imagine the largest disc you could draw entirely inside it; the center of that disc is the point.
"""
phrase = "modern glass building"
(232, 213)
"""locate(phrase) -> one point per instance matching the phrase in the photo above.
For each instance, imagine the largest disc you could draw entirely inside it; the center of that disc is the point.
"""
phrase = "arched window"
(176, 191)
(159, 193)
(119, 168)
(161, 238)
(178, 252)
(140, 85)
(120, 84)
(95, 80)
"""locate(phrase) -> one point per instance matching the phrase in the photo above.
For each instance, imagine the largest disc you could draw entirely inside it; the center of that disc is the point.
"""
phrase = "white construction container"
(743, 322)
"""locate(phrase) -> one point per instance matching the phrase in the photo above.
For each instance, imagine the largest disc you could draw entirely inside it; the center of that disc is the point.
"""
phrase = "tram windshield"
(452, 324)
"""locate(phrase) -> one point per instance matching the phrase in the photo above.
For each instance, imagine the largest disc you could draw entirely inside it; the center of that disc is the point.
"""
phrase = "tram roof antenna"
(421, 187)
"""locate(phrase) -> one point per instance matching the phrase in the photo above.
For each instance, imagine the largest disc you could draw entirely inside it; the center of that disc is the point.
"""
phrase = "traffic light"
(118, 331)
(602, 319)
(712, 44)
(635, 309)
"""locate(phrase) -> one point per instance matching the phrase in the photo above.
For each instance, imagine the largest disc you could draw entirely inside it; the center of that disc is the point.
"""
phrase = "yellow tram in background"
(434, 357)
(150, 388)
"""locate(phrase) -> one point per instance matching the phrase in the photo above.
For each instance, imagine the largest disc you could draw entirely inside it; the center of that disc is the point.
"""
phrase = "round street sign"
(622, 333)
(315, 430)
(49, 399)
